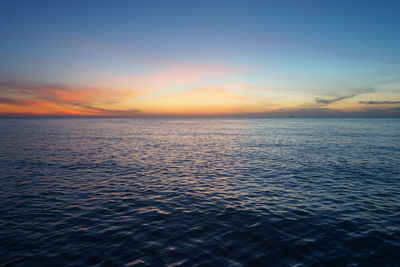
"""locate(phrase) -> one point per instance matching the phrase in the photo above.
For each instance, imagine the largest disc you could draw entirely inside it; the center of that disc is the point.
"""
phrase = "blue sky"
(276, 56)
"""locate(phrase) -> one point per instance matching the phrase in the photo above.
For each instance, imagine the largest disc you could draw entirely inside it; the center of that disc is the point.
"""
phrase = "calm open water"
(187, 192)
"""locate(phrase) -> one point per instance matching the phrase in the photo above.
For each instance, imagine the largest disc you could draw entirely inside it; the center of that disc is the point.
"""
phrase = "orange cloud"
(40, 98)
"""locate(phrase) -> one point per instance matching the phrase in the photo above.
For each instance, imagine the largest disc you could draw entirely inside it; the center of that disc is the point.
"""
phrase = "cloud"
(321, 113)
(113, 112)
(214, 92)
(379, 102)
(183, 75)
(15, 101)
(321, 102)
(25, 96)
(355, 92)
(169, 76)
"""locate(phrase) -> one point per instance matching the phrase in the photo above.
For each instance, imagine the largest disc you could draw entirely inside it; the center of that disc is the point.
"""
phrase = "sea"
(199, 192)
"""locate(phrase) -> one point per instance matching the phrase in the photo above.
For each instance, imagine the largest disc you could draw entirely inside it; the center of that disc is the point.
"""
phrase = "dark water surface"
(187, 192)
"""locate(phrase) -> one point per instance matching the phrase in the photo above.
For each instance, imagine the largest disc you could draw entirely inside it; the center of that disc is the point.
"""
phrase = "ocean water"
(200, 192)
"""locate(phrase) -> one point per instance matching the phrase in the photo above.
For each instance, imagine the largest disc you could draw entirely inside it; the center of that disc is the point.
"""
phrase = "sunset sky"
(169, 58)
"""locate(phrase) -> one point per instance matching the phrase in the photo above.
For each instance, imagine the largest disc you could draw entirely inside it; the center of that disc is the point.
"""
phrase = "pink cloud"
(25, 96)
(212, 91)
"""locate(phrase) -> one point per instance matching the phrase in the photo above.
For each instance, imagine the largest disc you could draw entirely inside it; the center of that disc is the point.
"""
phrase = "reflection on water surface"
(183, 192)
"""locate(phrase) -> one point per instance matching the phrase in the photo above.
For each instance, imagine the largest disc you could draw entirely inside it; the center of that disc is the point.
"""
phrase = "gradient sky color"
(231, 58)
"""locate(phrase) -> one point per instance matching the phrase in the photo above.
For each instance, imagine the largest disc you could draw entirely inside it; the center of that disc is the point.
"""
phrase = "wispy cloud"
(16, 101)
(321, 101)
(215, 92)
(324, 113)
(379, 102)
(112, 112)
(355, 92)
(181, 76)
(25, 96)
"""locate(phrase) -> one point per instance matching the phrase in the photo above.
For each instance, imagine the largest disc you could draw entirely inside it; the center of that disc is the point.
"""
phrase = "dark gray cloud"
(111, 112)
(30, 87)
(379, 102)
(321, 101)
(311, 113)
(13, 101)
(326, 101)
(326, 113)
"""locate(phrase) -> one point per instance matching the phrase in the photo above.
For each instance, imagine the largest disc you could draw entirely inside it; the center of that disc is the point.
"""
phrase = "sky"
(302, 58)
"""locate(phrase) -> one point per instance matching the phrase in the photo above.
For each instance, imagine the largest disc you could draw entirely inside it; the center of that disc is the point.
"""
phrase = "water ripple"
(149, 192)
